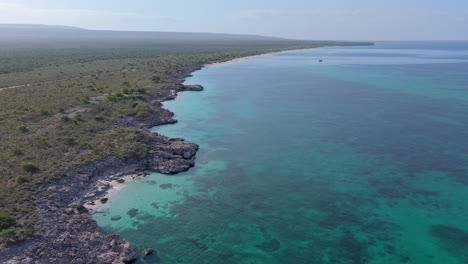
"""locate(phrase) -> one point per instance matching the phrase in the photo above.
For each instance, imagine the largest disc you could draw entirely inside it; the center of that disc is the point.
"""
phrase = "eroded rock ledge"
(70, 235)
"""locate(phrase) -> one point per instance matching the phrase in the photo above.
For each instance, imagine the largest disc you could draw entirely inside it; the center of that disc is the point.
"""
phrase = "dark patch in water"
(133, 212)
(198, 243)
(259, 206)
(225, 256)
(452, 239)
(391, 193)
(144, 217)
(155, 205)
(426, 193)
(352, 249)
(153, 258)
(405, 259)
(151, 182)
(165, 186)
(271, 246)
(116, 218)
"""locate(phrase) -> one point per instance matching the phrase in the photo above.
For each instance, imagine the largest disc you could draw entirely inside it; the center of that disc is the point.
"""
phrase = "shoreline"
(116, 186)
(259, 55)
(69, 231)
(248, 57)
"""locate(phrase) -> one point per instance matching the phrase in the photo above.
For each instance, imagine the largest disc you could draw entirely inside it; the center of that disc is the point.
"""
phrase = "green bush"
(66, 119)
(7, 233)
(86, 145)
(99, 118)
(140, 90)
(23, 128)
(69, 141)
(22, 179)
(30, 167)
(142, 109)
(78, 118)
(126, 91)
(156, 79)
(44, 112)
(18, 152)
(84, 99)
(6, 221)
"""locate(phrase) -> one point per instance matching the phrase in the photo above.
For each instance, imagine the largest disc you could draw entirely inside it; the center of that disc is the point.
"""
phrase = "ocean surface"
(362, 158)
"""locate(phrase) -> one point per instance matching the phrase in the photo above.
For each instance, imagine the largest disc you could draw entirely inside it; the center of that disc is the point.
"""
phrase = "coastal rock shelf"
(173, 156)
(195, 87)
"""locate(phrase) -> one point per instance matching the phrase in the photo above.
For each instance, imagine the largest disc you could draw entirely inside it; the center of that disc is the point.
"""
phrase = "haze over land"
(299, 19)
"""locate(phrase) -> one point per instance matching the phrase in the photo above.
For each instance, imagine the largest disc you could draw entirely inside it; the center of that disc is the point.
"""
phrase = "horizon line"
(243, 34)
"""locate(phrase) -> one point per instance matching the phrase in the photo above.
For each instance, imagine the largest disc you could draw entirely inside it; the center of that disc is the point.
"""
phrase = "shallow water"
(359, 159)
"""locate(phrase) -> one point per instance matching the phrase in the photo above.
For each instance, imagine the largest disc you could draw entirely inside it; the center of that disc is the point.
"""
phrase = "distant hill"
(15, 32)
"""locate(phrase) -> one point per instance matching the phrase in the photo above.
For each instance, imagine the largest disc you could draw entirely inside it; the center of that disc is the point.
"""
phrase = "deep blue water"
(359, 159)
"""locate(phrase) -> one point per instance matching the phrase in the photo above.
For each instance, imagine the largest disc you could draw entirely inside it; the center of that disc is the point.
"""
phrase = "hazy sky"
(304, 19)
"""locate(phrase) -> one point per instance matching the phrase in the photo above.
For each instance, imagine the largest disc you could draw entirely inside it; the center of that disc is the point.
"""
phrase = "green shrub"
(23, 128)
(22, 179)
(99, 118)
(111, 98)
(142, 109)
(84, 99)
(44, 112)
(86, 145)
(6, 221)
(18, 152)
(78, 118)
(7, 233)
(156, 79)
(69, 141)
(126, 91)
(66, 119)
(119, 95)
(30, 167)
(141, 90)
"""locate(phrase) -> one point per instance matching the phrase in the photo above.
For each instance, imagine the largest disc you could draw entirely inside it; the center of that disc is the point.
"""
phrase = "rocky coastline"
(69, 234)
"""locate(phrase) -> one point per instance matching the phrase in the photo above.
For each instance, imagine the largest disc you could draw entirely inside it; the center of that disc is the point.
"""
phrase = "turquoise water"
(360, 159)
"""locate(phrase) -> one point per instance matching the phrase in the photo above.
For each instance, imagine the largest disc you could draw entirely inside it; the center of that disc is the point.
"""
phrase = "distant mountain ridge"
(37, 26)
(11, 32)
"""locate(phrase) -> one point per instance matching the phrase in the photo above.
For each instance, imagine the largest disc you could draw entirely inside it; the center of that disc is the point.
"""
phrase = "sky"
(299, 19)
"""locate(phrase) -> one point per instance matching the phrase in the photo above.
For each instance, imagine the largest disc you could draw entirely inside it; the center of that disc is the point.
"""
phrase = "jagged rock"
(194, 87)
(129, 258)
(104, 200)
(121, 180)
(147, 252)
(80, 209)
